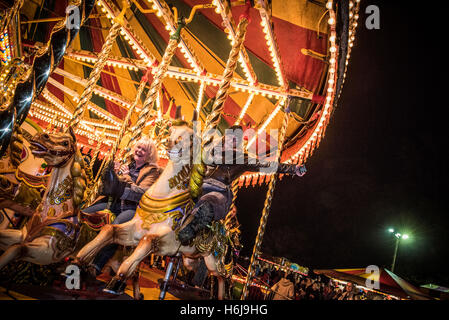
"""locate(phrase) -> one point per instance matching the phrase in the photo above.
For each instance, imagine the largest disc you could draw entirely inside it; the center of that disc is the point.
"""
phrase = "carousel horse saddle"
(96, 220)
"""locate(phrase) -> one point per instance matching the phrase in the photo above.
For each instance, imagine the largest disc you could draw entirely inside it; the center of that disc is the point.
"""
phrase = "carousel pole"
(125, 122)
(155, 86)
(213, 118)
(98, 67)
(266, 208)
(111, 155)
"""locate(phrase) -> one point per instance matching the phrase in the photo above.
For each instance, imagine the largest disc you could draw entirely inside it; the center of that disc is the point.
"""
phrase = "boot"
(203, 217)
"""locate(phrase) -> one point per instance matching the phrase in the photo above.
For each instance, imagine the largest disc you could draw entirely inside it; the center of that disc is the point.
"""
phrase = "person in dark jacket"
(126, 189)
(216, 198)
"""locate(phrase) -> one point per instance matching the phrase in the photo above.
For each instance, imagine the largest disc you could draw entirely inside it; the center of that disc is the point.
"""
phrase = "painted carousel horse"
(51, 233)
(158, 217)
(22, 176)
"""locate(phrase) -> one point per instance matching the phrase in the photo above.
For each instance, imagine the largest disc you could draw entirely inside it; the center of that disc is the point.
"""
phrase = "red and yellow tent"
(389, 283)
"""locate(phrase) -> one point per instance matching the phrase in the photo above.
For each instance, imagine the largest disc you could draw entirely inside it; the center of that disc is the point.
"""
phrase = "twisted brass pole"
(155, 86)
(45, 61)
(111, 154)
(234, 189)
(199, 169)
(98, 67)
(266, 210)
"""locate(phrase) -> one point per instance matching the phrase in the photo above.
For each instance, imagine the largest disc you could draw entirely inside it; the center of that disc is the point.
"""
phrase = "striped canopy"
(389, 282)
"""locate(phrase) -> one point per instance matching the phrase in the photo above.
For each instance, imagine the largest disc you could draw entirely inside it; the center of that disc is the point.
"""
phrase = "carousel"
(82, 82)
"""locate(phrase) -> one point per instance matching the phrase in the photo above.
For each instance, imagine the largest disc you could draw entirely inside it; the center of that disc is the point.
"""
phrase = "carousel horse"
(159, 215)
(22, 176)
(51, 233)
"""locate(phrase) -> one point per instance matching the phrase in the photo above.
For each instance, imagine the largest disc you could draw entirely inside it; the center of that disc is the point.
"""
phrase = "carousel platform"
(150, 279)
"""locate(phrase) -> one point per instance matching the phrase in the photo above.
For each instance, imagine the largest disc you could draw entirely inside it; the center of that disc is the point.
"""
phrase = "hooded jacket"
(283, 289)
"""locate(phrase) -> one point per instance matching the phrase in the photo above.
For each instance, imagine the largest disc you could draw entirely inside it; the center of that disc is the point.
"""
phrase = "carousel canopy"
(294, 53)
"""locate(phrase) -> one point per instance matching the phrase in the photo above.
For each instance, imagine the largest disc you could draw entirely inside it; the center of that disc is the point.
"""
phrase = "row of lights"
(272, 46)
(98, 90)
(303, 153)
(37, 113)
(200, 97)
(103, 114)
(116, 62)
(209, 79)
(5, 48)
(63, 118)
(353, 18)
(276, 110)
(189, 75)
(245, 108)
(56, 102)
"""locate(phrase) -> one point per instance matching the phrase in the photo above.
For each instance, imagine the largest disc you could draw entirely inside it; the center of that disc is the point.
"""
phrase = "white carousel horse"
(159, 213)
(51, 233)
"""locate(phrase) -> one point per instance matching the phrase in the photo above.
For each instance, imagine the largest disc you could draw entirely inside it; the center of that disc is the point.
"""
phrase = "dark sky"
(380, 164)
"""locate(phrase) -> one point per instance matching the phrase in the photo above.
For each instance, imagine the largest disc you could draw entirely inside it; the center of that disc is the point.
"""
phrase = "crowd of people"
(294, 286)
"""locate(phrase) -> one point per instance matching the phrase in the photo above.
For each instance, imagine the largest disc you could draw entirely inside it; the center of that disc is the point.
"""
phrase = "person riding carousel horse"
(126, 190)
(216, 197)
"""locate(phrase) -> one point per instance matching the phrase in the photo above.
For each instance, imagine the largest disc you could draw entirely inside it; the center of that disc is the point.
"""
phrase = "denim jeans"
(121, 217)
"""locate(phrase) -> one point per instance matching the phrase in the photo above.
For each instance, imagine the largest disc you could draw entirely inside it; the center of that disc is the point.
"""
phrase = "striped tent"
(389, 283)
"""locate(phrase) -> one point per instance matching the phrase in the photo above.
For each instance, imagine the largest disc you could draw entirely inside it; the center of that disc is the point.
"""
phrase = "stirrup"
(115, 286)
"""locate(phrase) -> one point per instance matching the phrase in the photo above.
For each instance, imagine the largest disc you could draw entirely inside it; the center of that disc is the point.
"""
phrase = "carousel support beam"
(198, 7)
(56, 19)
(145, 11)
(98, 90)
(188, 75)
(266, 210)
(244, 109)
(102, 113)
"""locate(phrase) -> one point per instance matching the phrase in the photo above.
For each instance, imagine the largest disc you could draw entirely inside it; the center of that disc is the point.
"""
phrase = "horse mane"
(82, 178)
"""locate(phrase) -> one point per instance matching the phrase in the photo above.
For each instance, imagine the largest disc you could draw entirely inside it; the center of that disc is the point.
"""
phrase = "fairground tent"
(389, 283)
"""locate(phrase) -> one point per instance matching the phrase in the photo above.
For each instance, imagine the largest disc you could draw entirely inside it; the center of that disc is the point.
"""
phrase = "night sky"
(380, 164)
